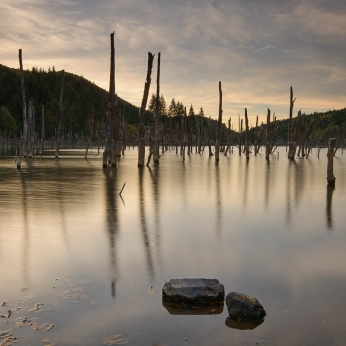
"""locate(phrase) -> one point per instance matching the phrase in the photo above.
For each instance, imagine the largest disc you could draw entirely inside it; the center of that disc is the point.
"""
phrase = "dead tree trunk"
(209, 144)
(60, 115)
(217, 142)
(141, 131)
(330, 155)
(22, 148)
(240, 134)
(247, 149)
(30, 130)
(183, 131)
(42, 132)
(91, 133)
(228, 137)
(157, 114)
(268, 135)
(291, 146)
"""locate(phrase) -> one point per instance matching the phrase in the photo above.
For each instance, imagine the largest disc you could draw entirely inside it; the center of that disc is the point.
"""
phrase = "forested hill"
(81, 96)
(43, 89)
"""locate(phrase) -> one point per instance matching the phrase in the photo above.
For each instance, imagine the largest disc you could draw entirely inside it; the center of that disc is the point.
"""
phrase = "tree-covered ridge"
(43, 89)
(83, 100)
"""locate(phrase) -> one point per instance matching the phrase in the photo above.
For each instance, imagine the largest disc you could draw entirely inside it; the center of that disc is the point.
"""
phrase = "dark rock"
(241, 324)
(194, 290)
(243, 307)
(178, 308)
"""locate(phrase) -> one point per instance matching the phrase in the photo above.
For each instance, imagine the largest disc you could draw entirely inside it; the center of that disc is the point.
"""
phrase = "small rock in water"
(244, 307)
(194, 290)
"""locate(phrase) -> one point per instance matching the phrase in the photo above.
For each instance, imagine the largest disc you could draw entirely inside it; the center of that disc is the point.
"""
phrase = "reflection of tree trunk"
(330, 191)
(144, 225)
(218, 201)
(26, 239)
(112, 221)
(267, 184)
(156, 185)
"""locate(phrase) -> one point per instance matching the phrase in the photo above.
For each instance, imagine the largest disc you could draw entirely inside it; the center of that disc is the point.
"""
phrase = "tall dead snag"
(228, 137)
(141, 131)
(183, 147)
(30, 129)
(330, 155)
(156, 157)
(91, 133)
(217, 142)
(209, 134)
(42, 132)
(268, 135)
(24, 134)
(60, 115)
(240, 134)
(291, 146)
(247, 149)
(107, 124)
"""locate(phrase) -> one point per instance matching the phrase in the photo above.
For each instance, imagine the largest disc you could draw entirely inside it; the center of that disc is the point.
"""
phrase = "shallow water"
(98, 261)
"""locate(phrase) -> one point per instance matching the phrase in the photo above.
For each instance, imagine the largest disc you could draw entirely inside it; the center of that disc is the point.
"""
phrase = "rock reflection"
(242, 325)
(143, 222)
(112, 221)
(175, 308)
(330, 191)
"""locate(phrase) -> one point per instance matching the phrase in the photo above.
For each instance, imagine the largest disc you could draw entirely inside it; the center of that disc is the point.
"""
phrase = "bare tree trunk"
(217, 141)
(228, 137)
(330, 155)
(247, 150)
(24, 150)
(42, 132)
(30, 130)
(240, 134)
(157, 114)
(141, 131)
(92, 132)
(291, 145)
(60, 115)
(268, 135)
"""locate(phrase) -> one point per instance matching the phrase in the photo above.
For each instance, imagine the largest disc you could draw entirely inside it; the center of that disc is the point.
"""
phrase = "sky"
(256, 48)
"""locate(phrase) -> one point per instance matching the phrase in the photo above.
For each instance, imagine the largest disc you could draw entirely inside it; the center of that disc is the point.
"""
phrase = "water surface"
(98, 261)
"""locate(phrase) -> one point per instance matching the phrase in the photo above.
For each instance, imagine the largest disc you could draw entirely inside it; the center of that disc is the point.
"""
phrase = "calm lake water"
(98, 261)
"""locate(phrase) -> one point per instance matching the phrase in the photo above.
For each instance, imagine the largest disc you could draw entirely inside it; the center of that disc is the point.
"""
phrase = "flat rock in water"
(244, 307)
(194, 290)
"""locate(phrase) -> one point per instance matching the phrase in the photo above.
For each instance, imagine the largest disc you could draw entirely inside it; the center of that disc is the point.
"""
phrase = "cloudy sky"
(257, 48)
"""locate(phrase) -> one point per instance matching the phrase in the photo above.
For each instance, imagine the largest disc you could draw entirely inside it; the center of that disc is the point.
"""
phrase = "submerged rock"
(244, 307)
(194, 290)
